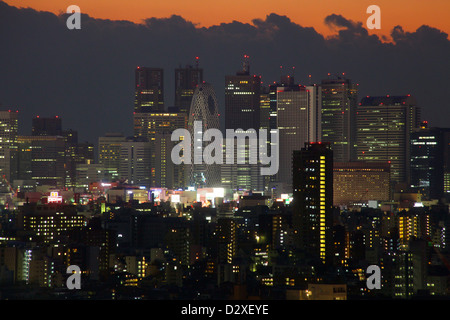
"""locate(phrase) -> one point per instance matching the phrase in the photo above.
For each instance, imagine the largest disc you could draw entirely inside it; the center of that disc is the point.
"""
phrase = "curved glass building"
(204, 108)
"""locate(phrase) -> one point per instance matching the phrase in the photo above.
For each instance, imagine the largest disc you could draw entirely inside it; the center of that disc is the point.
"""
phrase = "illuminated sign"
(54, 197)
(175, 198)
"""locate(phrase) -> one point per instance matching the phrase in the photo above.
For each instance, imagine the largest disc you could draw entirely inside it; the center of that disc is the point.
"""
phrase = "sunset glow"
(409, 14)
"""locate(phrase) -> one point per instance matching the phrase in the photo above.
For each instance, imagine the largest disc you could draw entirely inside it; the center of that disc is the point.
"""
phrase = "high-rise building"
(135, 162)
(242, 100)
(242, 113)
(430, 163)
(46, 126)
(312, 177)
(384, 126)
(75, 154)
(204, 110)
(357, 182)
(42, 159)
(226, 239)
(8, 147)
(71, 141)
(148, 125)
(109, 147)
(295, 111)
(149, 90)
(292, 125)
(186, 80)
(153, 126)
(339, 101)
(264, 108)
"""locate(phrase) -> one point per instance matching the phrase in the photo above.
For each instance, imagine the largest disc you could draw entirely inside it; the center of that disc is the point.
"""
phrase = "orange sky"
(410, 14)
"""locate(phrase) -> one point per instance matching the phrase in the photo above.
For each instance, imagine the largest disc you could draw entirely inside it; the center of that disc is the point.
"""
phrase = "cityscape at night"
(240, 173)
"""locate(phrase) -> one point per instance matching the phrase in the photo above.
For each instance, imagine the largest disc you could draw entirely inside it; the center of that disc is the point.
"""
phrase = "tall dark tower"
(242, 111)
(312, 178)
(242, 99)
(186, 80)
(149, 90)
(46, 126)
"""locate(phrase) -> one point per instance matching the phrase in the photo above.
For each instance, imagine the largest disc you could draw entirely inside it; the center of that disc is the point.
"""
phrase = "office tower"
(359, 182)
(315, 113)
(148, 125)
(339, 100)
(242, 100)
(71, 141)
(204, 110)
(264, 108)
(149, 90)
(167, 175)
(242, 113)
(47, 221)
(295, 113)
(109, 147)
(384, 126)
(46, 126)
(152, 126)
(42, 159)
(312, 177)
(292, 125)
(135, 162)
(186, 80)
(430, 162)
(76, 154)
(8, 148)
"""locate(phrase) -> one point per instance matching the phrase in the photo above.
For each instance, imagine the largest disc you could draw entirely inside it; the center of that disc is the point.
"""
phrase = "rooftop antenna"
(197, 61)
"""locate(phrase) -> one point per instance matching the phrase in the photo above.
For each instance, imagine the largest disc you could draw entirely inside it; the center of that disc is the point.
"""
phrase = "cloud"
(87, 76)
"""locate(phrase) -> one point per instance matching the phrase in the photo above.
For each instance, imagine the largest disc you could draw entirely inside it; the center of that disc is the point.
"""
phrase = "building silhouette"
(312, 177)
(149, 89)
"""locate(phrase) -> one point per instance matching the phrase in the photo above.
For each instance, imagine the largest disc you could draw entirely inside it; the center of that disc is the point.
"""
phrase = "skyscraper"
(430, 163)
(42, 159)
(8, 147)
(109, 147)
(295, 111)
(135, 162)
(186, 80)
(242, 113)
(149, 90)
(384, 126)
(242, 100)
(204, 108)
(292, 123)
(312, 177)
(153, 126)
(42, 126)
(339, 101)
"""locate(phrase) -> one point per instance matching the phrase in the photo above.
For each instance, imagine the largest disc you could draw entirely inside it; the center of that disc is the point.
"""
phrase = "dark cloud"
(86, 76)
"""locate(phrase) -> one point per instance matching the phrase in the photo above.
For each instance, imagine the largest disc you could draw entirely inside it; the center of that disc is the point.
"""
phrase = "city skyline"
(134, 155)
(87, 53)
